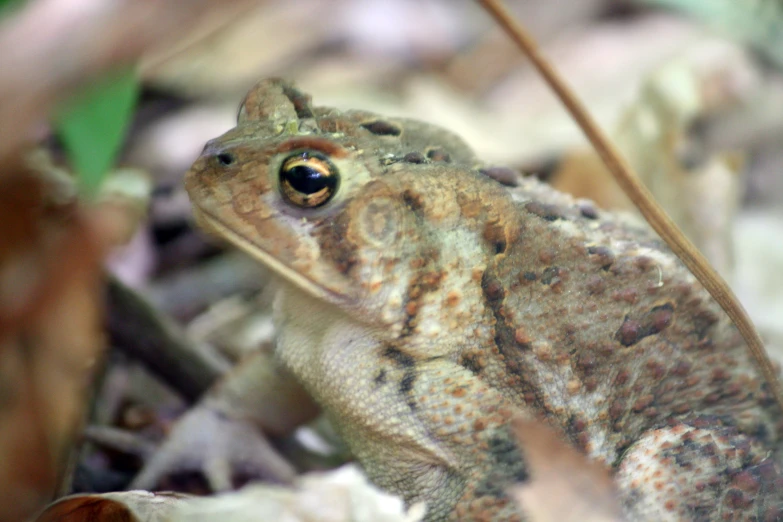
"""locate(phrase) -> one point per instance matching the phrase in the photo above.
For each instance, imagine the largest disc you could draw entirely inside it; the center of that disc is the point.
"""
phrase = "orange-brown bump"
(546, 256)
(458, 392)
(521, 336)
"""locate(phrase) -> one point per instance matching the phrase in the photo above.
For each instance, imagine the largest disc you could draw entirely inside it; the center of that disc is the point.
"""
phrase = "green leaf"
(8, 6)
(92, 126)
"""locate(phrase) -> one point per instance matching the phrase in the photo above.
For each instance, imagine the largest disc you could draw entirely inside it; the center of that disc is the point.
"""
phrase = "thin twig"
(142, 333)
(641, 197)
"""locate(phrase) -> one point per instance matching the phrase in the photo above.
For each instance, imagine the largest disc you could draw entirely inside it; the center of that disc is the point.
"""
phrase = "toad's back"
(426, 304)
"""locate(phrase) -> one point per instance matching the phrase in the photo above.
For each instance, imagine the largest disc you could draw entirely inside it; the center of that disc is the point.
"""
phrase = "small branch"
(193, 289)
(120, 440)
(142, 333)
(643, 200)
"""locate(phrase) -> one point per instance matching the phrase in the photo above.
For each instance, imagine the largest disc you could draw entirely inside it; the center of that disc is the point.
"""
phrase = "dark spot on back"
(588, 210)
(412, 200)
(438, 154)
(577, 431)
(617, 409)
(408, 366)
(504, 450)
(762, 433)
(503, 175)
(495, 235)
(414, 157)
(402, 359)
(380, 378)
(508, 468)
(493, 290)
(406, 383)
(545, 211)
(494, 295)
(703, 321)
(595, 285)
(586, 362)
(300, 100)
(472, 363)
(505, 336)
(507, 343)
(630, 332)
(550, 274)
(659, 318)
(652, 322)
(382, 128)
(493, 486)
(529, 276)
(603, 256)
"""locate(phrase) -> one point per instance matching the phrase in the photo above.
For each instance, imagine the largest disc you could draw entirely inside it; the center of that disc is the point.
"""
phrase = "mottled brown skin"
(432, 299)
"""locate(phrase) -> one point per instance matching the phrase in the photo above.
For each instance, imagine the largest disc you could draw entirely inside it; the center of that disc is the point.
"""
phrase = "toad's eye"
(308, 179)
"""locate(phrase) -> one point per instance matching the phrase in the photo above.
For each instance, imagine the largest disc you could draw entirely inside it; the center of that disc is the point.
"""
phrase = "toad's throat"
(220, 229)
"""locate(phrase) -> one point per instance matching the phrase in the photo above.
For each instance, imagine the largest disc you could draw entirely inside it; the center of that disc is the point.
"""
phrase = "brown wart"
(652, 322)
(382, 128)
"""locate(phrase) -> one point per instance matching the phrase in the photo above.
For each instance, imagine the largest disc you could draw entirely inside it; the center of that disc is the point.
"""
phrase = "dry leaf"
(343, 495)
(583, 174)
(129, 506)
(50, 337)
(701, 191)
(50, 329)
(564, 485)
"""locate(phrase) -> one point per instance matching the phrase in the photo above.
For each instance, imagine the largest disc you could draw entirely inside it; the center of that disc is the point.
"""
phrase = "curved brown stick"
(641, 197)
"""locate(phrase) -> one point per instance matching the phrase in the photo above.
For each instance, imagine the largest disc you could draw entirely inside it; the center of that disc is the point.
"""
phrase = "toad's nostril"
(226, 158)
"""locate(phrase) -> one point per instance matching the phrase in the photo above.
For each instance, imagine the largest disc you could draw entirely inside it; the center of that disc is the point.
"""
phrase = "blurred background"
(116, 314)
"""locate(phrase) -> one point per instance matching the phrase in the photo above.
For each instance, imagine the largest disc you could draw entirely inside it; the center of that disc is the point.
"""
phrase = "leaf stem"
(644, 201)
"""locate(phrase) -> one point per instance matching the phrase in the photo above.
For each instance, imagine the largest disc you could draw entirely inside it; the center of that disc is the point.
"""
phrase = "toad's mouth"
(213, 225)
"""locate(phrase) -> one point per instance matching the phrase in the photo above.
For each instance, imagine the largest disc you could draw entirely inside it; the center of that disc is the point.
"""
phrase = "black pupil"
(308, 180)
(225, 158)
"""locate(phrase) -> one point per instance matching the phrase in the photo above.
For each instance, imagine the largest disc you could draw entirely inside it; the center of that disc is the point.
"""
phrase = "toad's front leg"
(224, 434)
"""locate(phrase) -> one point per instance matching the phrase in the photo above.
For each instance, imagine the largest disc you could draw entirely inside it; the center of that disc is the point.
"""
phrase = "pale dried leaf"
(564, 486)
(700, 189)
(758, 277)
(127, 506)
(49, 339)
(521, 119)
(343, 495)
(756, 22)
(268, 38)
(701, 192)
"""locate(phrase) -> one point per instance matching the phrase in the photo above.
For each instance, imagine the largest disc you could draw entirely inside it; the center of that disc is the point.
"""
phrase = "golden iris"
(308, 179)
